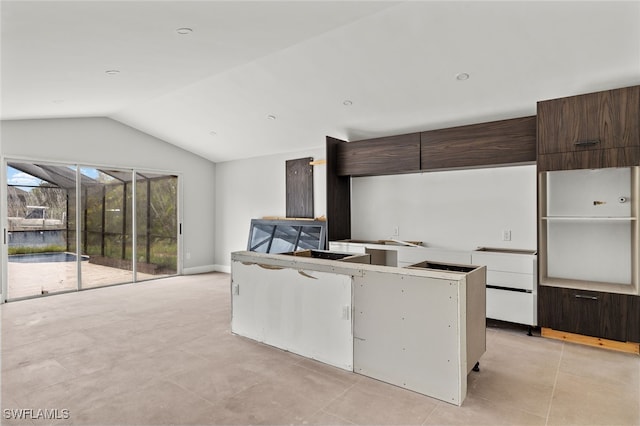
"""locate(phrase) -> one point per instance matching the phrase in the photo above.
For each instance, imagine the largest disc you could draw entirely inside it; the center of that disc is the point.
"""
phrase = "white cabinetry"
(511, 274)
(401, 256)
(418, 328)
(512, 293)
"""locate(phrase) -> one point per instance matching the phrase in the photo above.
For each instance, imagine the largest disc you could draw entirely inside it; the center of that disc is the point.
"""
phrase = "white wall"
(254, 188)
(102, 141)
(459, 209)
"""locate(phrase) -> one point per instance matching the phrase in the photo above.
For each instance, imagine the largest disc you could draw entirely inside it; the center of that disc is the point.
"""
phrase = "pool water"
(44, 258)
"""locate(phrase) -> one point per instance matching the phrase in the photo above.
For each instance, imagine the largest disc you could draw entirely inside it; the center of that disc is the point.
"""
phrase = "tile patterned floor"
(161, 352)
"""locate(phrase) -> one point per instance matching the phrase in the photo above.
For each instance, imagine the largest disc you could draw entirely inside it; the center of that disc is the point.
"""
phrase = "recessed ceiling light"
(271, 117)
(112, 72)
(212, 133)
(347, 102)
(184, 31)
(462, 76)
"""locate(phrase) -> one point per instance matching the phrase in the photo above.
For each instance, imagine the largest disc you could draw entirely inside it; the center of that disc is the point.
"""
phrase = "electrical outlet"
(396, 231)
(506, 235)
(188, 255)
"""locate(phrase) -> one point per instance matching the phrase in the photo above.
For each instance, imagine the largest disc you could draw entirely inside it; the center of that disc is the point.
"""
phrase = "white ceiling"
(210, 92)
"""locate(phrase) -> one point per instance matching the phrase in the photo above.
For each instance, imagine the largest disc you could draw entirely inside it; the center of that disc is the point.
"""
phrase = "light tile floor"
(161, 352)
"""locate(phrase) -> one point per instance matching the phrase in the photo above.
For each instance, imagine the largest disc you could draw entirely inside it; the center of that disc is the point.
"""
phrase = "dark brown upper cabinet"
(594, 130)
(480, 145)
(380, 156)
(590, 159)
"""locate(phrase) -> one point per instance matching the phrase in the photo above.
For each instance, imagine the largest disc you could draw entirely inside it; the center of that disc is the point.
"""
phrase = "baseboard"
(628, 347)
(223, 268)
(199, 270)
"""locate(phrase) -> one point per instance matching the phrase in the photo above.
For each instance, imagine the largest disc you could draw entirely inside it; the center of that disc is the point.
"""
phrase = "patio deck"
(31, 279)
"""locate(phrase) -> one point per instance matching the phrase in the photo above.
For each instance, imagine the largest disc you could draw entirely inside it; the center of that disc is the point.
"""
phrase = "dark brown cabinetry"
(338, 194)
(590, 313)
(503, 142)
(594, 130)
(382, 156)
(480, 145)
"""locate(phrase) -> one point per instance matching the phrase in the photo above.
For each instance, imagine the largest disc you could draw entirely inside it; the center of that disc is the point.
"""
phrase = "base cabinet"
(419, 328)
(590, 313)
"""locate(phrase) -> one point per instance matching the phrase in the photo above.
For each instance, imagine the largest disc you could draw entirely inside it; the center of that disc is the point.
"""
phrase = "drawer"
(591, 313)
(346, 247)
(510, 279)
(512, 306)
(413, 255)
(504, 262)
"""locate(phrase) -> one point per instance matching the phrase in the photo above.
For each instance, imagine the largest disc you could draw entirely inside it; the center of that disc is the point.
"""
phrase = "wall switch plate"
(506, 235)
(396, 231)
(236, 289)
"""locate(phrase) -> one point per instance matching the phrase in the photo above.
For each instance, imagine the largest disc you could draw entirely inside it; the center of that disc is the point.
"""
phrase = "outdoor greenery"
(106, 217)
(108, 221)
(36, 249)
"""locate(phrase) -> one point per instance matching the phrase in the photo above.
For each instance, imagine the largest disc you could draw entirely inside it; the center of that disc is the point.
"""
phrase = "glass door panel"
(156, 225)
(106, 239)
(41, 238)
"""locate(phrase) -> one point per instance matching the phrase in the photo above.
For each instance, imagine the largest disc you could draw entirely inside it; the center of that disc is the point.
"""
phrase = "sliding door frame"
(4, 223)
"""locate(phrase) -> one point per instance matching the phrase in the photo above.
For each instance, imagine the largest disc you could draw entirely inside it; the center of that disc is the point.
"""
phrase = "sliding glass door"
(40, 229)
(156, 225)
(72, 227)
(105, 238)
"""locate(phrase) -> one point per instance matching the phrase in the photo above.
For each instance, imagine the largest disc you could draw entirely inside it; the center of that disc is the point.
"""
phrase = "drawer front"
(594, 159)
(504, 262)
(510, 280)
(586, 312)
(411, 255)
(346, 247)
(512, 306)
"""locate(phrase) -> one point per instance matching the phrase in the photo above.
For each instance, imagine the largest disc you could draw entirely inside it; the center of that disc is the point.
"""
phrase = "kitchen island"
(420, 327)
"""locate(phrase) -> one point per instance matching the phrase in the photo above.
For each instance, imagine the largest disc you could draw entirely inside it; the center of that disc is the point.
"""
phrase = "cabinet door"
(601, 120)
(480, 145)
(590, 159)
(390, 155)
(589, 313)
(633, 319)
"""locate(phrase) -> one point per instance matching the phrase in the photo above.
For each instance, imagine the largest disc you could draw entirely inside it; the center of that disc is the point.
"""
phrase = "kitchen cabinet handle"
(585, 296)
(587, 142)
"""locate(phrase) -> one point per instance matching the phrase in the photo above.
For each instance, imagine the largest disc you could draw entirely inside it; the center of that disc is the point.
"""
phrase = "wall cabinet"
(589, 131)
(480, 145)
(382, 156)
(590, 159)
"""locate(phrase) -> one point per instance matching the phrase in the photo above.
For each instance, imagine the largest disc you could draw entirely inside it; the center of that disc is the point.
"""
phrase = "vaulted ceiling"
(254, 78)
